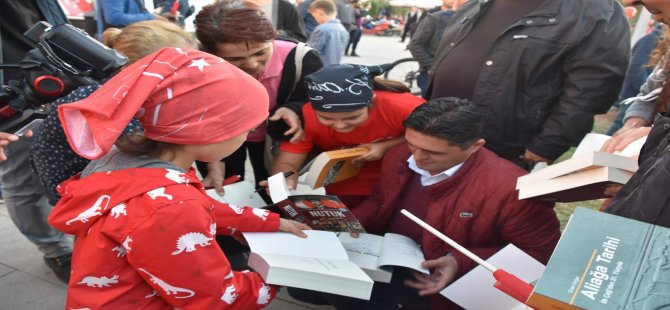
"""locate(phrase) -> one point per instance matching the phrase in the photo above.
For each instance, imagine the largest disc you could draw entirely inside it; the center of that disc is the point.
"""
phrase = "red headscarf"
(179, 95)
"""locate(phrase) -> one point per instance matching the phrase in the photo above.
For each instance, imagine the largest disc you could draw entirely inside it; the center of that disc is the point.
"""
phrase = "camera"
(65, 58)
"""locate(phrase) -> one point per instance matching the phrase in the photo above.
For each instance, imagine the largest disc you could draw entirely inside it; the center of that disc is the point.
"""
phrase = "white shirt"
(428, 179)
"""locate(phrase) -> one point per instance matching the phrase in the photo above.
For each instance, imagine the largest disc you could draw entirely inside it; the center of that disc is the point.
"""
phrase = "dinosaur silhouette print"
(229, 295)
(169, 289)
(126, 243)
(92, 211)
(187, 242)
(176, 176)
(99, 282)
(212, 229)
(263, 214)
(152, 294)
(120, 249)
(118, 210)
(159, 192)
(263, 295)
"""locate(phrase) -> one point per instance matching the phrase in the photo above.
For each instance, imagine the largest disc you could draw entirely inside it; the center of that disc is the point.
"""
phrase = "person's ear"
(477, 145)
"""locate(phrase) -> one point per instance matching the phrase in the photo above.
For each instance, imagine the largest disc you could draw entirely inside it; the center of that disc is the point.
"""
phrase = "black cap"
(342, 88)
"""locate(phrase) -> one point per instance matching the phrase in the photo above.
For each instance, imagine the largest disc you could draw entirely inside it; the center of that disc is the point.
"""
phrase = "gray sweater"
(644, 104)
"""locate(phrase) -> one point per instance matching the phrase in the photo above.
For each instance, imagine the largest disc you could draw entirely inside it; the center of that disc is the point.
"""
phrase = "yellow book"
(333, 166)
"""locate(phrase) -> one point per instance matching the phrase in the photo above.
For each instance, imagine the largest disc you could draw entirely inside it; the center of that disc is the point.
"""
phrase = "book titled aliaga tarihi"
(604, 261)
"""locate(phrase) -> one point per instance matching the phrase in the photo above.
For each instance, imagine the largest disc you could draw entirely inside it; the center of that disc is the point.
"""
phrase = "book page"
(592, 142)
(475, 289)
(241, 194)
(364, 250)
(399, 250)
(318, 244)
(278, 188)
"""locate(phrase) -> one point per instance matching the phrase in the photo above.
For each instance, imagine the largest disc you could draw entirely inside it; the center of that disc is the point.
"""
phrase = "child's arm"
(175, 252)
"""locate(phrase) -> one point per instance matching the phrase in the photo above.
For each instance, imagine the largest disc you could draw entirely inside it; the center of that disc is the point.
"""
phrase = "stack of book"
(585, 176)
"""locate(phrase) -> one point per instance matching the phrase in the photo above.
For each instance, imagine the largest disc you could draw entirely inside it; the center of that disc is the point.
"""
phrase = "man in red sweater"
(446, 177)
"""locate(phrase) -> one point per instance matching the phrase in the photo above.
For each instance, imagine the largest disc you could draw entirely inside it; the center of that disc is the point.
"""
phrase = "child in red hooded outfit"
(145, 229)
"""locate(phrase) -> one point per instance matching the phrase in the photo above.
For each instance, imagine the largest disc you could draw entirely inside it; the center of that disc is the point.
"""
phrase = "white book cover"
(241, 194)
(318, 262)
(475, 291)
(279, 190)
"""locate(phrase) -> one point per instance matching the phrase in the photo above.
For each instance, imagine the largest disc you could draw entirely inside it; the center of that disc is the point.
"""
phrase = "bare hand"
(7, 138)
(292, 120)
(623, 138)
(375, 152)
(531, 158)
(443, 272)
(293, 227)
(215, 173)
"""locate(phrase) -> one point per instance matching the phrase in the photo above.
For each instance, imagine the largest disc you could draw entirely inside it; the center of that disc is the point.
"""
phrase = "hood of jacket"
(86, 200)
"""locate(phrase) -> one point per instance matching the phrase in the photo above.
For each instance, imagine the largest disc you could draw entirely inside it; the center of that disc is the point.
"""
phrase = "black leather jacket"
(548, 74)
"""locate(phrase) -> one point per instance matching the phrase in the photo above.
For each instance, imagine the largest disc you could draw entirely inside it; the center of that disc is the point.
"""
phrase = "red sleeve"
(232, 219)
(176, 253)
(301, 147)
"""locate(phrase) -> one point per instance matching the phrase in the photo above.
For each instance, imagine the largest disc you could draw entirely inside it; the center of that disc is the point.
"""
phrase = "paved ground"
(26, 283)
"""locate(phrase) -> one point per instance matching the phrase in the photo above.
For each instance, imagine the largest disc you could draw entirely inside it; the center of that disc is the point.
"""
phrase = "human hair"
(137, 144)
(452, 119)
(327, 6)
(379, 83)
(143, 38)
(232, 22)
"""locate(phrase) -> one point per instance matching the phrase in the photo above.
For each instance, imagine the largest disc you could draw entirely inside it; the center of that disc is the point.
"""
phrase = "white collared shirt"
(426, 178)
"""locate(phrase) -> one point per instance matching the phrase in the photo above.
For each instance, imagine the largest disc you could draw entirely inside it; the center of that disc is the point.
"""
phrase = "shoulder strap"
(300, 51)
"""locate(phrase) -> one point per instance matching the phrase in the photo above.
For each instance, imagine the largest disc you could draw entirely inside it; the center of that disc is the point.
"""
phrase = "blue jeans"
(26, 202)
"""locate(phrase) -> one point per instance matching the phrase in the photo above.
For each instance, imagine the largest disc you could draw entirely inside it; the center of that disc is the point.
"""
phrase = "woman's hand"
(621, 140)
(292, 120)
(293, 227)
(215, 173)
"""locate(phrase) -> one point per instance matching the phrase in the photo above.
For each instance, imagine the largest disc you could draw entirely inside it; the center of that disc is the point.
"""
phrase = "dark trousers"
(354, 38)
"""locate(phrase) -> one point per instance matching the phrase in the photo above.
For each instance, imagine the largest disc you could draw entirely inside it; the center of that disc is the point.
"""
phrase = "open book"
(475, 290)
(241, 194)
(332, 166)
(584, 176)
(377, 255)
(318, 262)
(322, 212)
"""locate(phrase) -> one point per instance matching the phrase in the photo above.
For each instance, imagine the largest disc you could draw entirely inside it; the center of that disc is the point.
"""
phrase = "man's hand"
(292, 120)
(532, 158)
(444, 272)
(215, 173)
(623, 138)
(7, 138)
(293, 227)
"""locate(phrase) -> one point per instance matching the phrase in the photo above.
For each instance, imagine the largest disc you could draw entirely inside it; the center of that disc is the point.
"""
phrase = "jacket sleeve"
(232, 219)
(532, 227)
(115, 15)
(176, 254)
(644, 107)
(593, 74)
(420, 42)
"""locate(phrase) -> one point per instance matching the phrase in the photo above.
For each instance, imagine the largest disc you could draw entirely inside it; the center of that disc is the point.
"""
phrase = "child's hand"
(293, 227)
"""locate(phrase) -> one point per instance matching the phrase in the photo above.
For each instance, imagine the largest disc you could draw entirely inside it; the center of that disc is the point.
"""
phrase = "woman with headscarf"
(144, 225)
(349, 108)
